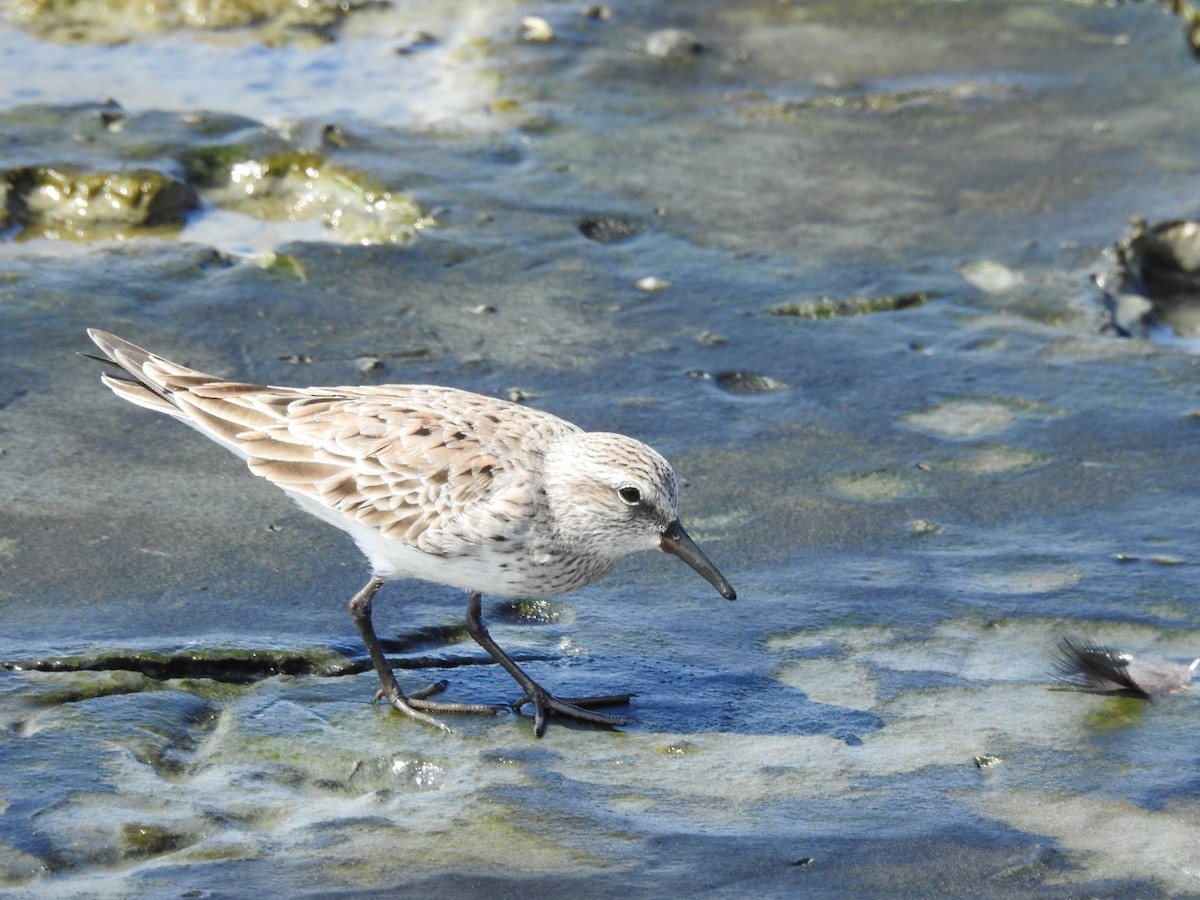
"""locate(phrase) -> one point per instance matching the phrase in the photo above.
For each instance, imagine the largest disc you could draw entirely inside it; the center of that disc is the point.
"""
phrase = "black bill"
(676, 541)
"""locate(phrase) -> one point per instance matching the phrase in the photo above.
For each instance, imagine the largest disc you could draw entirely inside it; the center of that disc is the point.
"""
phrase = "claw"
(546, 704)
(400, 703)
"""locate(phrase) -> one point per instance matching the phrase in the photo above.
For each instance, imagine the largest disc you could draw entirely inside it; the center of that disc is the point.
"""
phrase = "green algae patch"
(16, 866)
(880, 102)
(971, 418)
(97, 172)
(68, 202)
(879, 486)
(533, 611)
(998, 459)
(274, 22)
(140, 840)
(284, 265)
(833, 308)
(55, 689)
(300, 185)
(1115, 714)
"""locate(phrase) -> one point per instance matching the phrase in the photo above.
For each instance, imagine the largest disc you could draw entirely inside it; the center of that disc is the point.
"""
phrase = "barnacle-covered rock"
(64, 201)
(1156, 281)
(296, 185)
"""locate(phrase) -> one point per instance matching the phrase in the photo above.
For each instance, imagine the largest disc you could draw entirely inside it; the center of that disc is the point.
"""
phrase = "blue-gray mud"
(833, 260)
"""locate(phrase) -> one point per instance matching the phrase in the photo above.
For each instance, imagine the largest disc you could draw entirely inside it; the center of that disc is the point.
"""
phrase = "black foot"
(546, 705)
(412, 704)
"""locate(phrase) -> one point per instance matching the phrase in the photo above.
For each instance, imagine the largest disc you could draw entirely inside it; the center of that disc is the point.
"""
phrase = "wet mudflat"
(833, 260)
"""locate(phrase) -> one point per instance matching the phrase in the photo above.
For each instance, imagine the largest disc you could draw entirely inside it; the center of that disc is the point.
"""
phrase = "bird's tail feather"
(144, 386)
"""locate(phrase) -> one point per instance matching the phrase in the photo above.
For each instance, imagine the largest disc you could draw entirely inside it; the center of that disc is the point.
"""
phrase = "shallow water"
(914, 505)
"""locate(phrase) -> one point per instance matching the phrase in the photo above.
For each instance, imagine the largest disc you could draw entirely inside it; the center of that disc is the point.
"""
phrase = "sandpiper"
(442, 485)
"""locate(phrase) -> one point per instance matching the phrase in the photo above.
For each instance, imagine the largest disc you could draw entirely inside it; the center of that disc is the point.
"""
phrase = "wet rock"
(609, 229)
(829, 308)
(17, 866)
(532, 611)
(140, 840)
(369, 365)
(74, 687)
(517, 394)
(536, 30)
(652, 284)
(673, 45)
(66, 202)
(1189, 13)
(855, 100)
(284, 265)
(299, 185)
(924, 526)
(416, 42)
(991, 277)
(57, 178)
(236, 666)
(748, 383)
(428, 638)
(1157, 279)
(118, 21)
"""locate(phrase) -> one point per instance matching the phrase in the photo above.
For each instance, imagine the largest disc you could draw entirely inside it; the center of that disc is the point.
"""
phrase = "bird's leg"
(410, 705)
(544, 703)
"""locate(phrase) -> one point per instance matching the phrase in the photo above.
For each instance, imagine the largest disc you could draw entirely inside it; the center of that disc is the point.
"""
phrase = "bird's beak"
(676, 541)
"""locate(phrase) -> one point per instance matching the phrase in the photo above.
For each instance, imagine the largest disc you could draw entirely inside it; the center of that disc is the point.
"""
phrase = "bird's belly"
(504, 568)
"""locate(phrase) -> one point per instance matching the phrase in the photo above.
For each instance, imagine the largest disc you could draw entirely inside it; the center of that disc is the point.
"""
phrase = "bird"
(1083, 665)
(440, 485)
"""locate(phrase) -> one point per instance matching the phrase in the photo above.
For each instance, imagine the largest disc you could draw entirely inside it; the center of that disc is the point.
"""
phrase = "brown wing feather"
(426, 465)
(404, 464)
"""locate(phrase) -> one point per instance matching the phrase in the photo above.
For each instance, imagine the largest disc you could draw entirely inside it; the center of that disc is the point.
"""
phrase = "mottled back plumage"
(438, 484)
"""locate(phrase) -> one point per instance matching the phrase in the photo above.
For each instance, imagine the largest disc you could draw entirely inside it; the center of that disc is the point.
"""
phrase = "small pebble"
(418, 40)
(749, 383)
(609, 229)
(536, 29)
(991, 277)
(652, 283)
(367, 364)
(673, 44)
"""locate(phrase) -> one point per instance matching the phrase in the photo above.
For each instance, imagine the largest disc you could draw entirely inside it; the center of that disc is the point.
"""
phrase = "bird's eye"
(630, 495)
